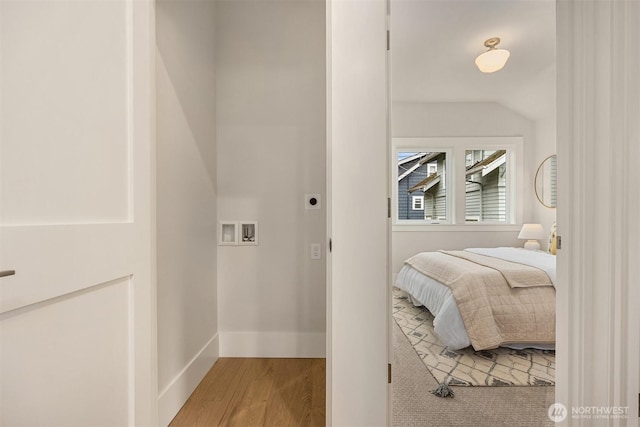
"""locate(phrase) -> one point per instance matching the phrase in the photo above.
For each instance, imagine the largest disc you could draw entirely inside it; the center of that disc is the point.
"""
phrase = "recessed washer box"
(248, 233)
(228, 233)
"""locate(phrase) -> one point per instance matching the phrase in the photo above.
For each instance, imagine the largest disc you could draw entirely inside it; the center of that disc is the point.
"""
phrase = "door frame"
(578, 86)
(598, 108)
(357, 221)
(146, 401)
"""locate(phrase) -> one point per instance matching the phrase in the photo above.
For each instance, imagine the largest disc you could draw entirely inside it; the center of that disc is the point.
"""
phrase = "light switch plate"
(316, 251)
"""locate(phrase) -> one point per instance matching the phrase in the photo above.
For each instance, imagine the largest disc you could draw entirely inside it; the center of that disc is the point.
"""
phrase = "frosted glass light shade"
(492, 60)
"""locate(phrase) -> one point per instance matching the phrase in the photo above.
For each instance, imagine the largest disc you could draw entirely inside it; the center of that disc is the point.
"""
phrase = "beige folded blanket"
(516, 275)
(493, 312)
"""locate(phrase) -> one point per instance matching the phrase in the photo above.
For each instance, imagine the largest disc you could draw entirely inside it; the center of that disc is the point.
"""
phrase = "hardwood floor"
(265, 392)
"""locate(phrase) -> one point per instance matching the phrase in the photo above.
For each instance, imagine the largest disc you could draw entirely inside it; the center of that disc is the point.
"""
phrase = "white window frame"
(415, 199)
(455, 148)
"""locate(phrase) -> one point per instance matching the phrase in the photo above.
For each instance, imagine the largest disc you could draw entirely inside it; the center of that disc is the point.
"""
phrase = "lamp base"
(532, 245)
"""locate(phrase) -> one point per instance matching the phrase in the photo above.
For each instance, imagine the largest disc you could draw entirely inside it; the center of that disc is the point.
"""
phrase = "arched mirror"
(545, 182)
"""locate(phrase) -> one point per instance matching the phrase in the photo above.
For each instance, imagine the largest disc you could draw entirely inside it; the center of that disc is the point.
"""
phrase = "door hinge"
(558, 242)
(389, 373)
(388, 207)
(388, 40)
(330, 245)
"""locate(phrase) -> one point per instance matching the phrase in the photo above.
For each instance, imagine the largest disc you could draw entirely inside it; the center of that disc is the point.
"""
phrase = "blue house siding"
(405, 199)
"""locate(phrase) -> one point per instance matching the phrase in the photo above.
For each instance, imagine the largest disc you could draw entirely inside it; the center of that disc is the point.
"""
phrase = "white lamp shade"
(531, 232)
(492, 60)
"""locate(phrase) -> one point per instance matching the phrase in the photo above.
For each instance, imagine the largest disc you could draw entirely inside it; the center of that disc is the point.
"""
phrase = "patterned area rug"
(467, 367)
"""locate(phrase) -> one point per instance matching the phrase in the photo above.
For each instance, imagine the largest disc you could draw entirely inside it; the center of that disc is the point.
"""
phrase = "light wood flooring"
(264, 392)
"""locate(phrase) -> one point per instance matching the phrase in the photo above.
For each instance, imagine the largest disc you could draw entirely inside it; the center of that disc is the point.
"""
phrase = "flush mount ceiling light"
(494, 59)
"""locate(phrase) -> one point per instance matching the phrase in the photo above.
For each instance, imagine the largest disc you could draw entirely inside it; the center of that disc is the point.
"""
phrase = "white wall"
(186, 200)
(270, 62)
(545, 131)
(464, 120)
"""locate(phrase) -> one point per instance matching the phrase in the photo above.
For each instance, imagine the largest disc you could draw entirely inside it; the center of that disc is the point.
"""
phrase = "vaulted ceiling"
(434, 44)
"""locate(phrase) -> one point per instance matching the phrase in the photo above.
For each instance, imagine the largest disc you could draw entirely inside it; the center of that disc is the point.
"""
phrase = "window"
(457, 181)
(486, 182)
(418, 204)
(421, 185)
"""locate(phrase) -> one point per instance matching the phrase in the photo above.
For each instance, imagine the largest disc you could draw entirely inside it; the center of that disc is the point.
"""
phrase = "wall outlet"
(316, 251)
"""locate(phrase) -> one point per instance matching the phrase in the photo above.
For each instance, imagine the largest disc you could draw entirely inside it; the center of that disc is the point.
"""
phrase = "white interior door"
(76, 318)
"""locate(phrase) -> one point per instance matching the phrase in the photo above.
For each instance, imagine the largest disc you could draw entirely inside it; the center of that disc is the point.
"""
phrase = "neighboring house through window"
(488, 176)
(486, 183)
(432, 187)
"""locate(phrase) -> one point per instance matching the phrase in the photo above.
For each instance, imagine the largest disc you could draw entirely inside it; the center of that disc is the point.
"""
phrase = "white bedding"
(439, 300)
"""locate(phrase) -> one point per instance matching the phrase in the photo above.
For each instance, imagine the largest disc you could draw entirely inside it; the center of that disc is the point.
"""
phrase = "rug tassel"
(443, 390)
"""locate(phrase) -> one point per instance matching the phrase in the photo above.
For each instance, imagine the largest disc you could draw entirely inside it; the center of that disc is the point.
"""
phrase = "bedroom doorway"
(438, 95)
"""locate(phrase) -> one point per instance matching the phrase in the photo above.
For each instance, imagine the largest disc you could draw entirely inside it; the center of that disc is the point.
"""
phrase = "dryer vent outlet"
(312, 201)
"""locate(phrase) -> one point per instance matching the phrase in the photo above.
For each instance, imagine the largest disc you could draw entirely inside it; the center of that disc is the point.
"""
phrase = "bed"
(485, 297)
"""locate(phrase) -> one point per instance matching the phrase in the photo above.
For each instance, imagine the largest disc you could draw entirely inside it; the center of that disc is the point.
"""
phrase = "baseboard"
(272, 344)
(173, 397)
